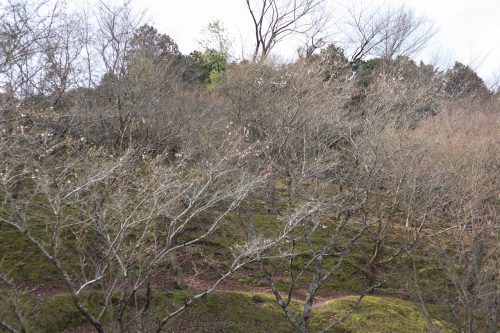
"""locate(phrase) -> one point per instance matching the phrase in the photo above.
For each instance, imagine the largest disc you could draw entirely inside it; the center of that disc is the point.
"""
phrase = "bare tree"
(385, 33)
(274, 20)
(41, 44)
(330, 172)
(462, 184)
(116, 26)
(316, 38)
(120, 217)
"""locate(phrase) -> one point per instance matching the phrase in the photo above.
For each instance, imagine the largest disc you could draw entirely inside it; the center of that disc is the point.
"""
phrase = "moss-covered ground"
(250, 312)
(229, 311)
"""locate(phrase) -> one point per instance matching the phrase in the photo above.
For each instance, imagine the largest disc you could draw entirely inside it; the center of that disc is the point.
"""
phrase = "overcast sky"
(468, 31)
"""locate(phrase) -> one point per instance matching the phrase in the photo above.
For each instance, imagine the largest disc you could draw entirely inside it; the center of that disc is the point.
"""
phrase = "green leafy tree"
(206, 66)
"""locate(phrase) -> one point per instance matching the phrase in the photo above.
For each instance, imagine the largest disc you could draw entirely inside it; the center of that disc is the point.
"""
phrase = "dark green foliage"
(366, 71)
(462, 81)
(148, 43)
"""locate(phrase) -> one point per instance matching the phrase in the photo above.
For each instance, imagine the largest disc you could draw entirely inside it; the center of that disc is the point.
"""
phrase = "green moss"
(233, 312)
(237, 312)
(244, 312)
(60, 313)
(8, 309)
(21, 260)
(57, 314)
(376, 315)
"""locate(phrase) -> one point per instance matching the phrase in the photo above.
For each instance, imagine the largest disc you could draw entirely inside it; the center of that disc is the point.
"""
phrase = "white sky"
(468, 31)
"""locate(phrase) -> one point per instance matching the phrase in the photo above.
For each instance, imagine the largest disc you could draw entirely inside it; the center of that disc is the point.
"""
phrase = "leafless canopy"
(274, 20)
(385, 33)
